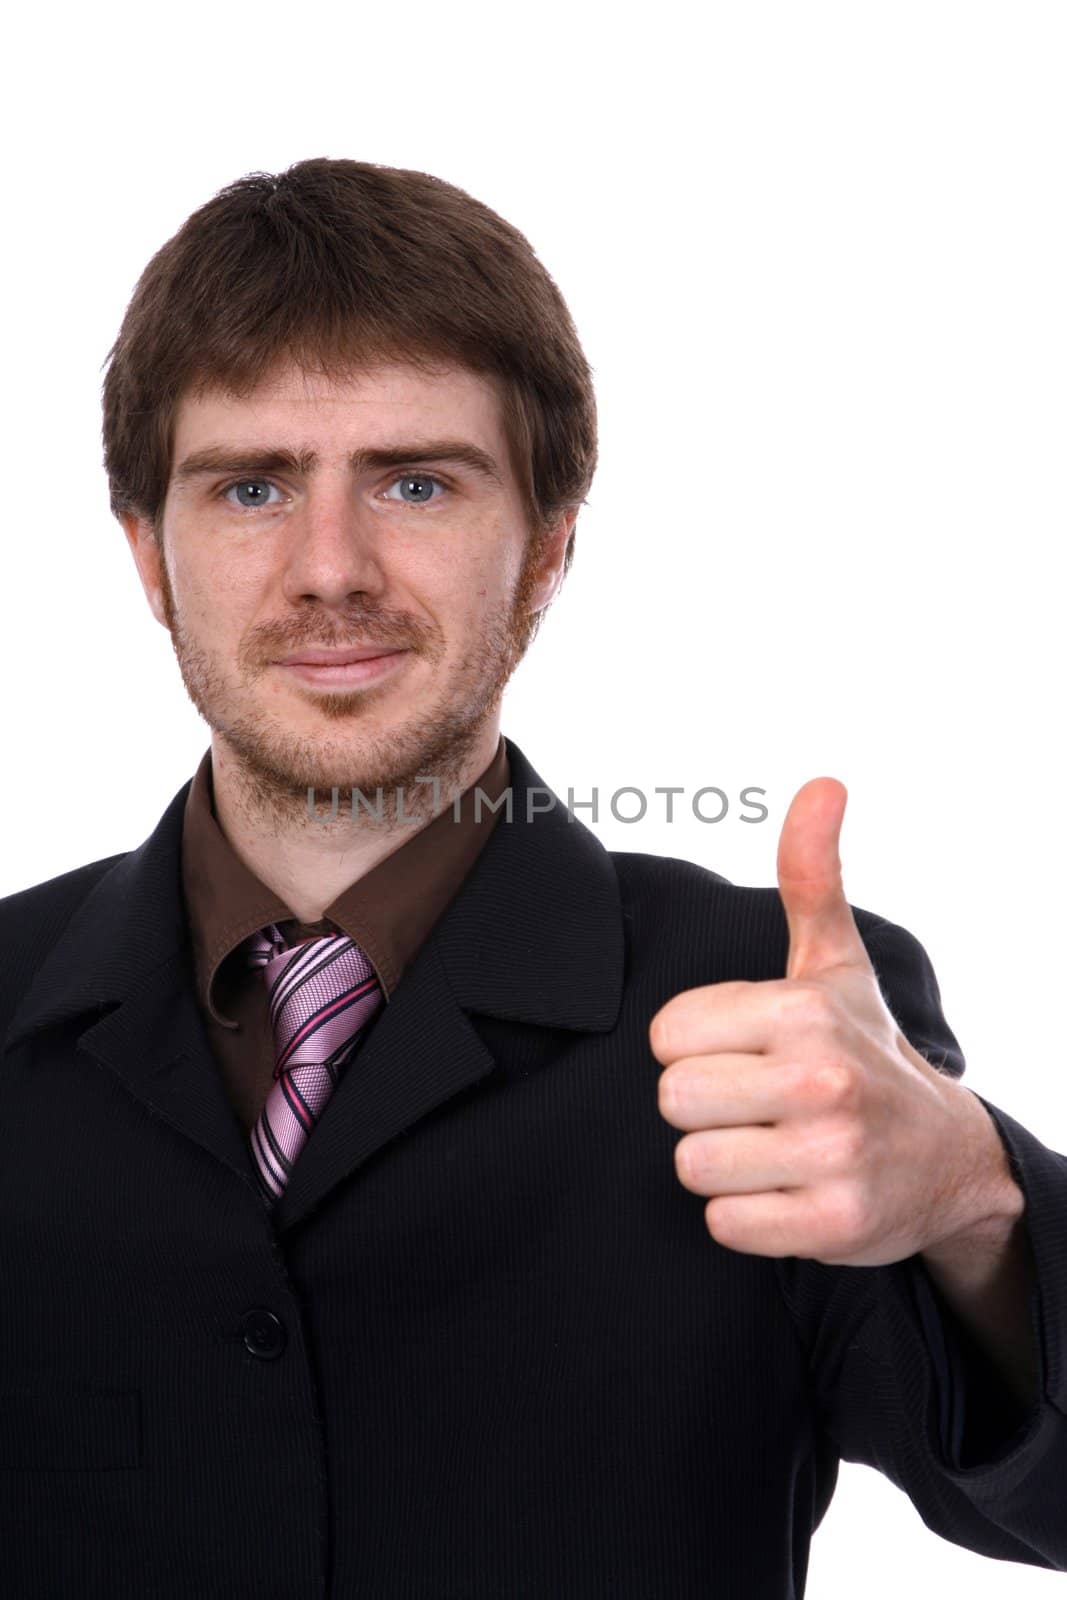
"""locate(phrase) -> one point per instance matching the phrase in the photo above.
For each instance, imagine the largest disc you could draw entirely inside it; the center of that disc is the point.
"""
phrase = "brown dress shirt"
(388, 912)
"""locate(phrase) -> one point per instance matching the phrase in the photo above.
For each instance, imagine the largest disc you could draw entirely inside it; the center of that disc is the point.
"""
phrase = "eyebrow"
(225, 458)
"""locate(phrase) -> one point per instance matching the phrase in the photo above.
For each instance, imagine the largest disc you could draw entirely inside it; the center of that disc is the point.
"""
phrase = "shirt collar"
(388, 911)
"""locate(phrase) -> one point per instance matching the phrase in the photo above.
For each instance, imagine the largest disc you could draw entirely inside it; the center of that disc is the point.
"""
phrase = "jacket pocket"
(79, 1431)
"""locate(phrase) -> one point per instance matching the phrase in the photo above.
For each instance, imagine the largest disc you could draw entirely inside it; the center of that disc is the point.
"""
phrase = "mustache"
(353, 629)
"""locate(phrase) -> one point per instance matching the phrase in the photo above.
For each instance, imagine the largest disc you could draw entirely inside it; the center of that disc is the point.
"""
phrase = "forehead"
(375, 406)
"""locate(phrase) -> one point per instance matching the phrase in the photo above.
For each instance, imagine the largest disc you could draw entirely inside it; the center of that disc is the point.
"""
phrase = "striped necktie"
(322, 994)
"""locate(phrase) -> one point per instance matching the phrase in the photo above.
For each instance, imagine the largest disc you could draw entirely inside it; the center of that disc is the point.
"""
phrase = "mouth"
(344, 668)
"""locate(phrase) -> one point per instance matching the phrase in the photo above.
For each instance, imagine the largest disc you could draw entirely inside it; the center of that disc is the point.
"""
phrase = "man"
(348, 1243)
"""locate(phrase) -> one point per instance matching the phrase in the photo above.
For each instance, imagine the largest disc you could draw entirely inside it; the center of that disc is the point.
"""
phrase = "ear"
(141, 538)
(550, 567)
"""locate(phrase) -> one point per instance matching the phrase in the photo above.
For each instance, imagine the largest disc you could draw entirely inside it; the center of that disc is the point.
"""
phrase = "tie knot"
(321, 993)
(263, 944)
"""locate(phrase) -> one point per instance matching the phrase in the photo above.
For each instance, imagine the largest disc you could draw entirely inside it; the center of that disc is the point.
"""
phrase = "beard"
(273, 768)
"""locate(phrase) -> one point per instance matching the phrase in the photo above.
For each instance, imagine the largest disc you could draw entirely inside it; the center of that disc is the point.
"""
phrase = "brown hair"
(339, 265)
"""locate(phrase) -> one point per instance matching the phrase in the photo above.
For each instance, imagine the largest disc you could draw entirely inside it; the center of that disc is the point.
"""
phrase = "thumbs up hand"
(810, 1120)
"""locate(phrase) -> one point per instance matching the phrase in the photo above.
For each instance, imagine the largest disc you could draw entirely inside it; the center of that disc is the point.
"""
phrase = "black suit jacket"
(485, 1345)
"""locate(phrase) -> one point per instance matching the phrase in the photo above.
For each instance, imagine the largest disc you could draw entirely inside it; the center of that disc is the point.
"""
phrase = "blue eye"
(253, 493)
(419, 482)
(257, 499)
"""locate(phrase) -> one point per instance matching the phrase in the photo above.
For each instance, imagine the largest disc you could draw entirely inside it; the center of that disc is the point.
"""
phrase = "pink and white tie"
(322, 994)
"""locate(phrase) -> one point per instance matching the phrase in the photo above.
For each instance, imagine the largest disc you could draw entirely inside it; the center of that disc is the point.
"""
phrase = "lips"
(339, 658)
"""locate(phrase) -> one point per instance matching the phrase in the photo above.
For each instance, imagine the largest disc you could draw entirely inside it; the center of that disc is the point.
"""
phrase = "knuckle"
(733, 988)
(661, 1033)
(835, 1084)
(842, 1145)
(669, 1092)
(845, 1214)
(807, 1005)
(685, 1161)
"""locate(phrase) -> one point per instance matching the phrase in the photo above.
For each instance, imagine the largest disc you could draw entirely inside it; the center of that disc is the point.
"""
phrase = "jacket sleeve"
(899, 1384)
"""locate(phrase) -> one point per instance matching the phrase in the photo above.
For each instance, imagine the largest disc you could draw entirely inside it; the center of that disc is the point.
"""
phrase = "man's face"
(258, 561)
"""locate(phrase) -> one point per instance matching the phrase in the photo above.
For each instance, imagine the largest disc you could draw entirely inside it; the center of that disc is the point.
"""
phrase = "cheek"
(465, 594)
(219, 598)
(486, 599)
(492, 585)
(217, 612)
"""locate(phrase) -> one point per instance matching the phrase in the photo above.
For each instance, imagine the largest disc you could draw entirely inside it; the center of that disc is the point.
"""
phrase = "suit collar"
(388, 911)
(534, 935)
(126, 932)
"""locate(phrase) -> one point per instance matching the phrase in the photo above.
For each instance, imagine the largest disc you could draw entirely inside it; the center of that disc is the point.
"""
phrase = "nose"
(334, 551)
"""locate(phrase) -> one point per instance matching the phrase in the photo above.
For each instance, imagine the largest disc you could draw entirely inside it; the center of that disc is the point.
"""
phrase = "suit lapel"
(122, 967)
(534, 935)
(420, 1052)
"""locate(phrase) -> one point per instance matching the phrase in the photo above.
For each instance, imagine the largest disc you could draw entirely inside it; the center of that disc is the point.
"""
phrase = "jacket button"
(263, 1334)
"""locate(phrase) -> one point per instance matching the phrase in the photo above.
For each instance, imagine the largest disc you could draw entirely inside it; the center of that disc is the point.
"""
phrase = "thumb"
(822, 929)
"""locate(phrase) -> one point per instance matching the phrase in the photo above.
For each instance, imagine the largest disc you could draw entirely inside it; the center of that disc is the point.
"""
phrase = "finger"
(734, 1090)
(822, 929)
(771, 1224)
(735, 1016)
(740, 1161)
(773, 1014)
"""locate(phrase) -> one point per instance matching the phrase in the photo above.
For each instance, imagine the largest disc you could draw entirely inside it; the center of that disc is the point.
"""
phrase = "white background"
(816, 254)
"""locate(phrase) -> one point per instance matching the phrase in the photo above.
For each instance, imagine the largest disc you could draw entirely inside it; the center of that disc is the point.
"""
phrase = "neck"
(309, 860)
